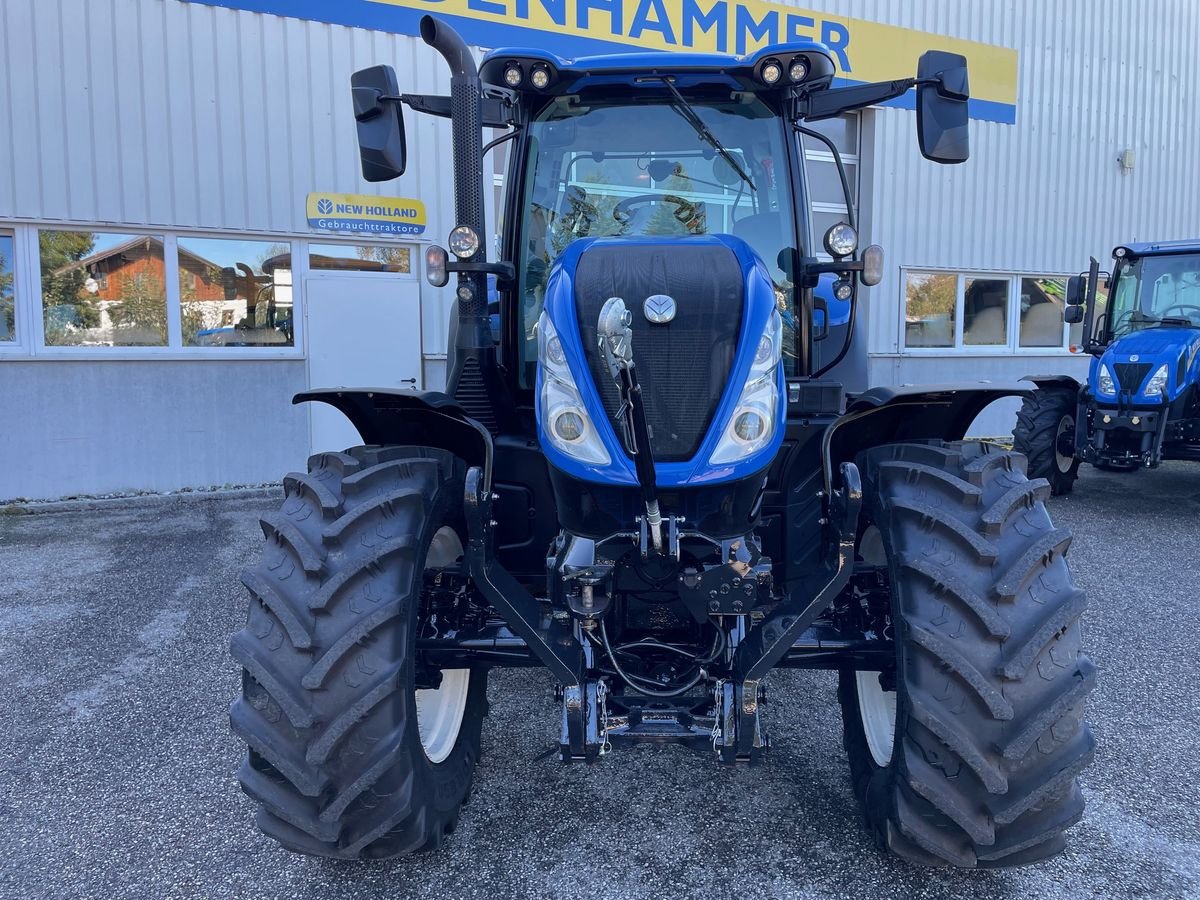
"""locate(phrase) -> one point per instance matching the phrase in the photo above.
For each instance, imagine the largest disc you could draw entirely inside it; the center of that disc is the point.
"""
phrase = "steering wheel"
(1182, 306)
(684, 209)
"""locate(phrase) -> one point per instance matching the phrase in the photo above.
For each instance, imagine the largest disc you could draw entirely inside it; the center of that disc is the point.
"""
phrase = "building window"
(951, 311)
(235, 293)
(1042, 302)
(929, 304)
(102, 290)
(360, 258)
(985, 312)
(8, 308)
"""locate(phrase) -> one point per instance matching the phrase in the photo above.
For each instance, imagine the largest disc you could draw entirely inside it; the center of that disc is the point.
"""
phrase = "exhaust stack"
(473, 378)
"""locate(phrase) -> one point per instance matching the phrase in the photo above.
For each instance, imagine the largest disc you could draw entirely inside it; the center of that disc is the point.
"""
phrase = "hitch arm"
(770, 640)
(553, 642)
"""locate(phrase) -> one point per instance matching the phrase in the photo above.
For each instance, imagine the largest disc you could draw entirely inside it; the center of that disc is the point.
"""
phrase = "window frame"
(20, 345)
(1012, 321)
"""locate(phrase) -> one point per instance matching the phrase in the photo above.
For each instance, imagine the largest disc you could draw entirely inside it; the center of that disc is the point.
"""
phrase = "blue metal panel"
(760, 305)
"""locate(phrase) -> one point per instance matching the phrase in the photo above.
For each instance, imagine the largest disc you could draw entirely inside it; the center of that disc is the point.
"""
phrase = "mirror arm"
(810, 266)
(830, 102)
(505, 272)
(497, 113)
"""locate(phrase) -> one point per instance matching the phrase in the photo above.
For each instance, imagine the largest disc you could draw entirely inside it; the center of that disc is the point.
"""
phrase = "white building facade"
(165, 288)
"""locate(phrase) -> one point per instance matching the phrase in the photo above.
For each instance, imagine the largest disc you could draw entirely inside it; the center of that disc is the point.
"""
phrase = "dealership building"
(186, 240)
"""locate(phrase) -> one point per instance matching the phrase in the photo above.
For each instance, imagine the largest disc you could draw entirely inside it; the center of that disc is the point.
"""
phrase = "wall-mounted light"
(1125, 160)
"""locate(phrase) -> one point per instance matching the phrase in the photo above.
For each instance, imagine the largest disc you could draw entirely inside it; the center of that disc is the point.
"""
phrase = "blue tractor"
(1141, 403)
(648, 483)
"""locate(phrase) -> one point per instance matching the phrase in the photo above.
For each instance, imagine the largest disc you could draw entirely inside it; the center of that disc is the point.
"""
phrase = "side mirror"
(1076, 287)
(381, 144)
(1073, 315)
(942, 95)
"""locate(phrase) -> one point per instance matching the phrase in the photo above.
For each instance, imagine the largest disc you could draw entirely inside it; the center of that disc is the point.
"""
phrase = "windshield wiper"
(690, 116)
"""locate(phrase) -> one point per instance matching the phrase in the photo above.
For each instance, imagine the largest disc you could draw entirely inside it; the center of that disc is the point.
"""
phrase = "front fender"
(418, 418)
(1054, 381)
(888, 415)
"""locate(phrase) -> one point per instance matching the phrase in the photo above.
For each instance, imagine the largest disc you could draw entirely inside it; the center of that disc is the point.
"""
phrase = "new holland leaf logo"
(659, 309)
(324, 206)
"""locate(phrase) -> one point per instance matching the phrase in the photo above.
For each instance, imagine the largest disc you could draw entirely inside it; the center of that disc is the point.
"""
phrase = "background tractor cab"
(646, 483)
(1141, 404)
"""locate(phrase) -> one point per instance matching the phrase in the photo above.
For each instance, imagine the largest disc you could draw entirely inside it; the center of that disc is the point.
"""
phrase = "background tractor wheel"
(347, 757)
(1045, 428)
(966, 753)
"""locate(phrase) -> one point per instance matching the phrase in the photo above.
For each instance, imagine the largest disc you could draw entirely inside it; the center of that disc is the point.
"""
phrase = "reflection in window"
(360, 257)
(1042, 303)
(235, 293)
(929, 309)
(103, 290)
(985, 311)
(8, 311)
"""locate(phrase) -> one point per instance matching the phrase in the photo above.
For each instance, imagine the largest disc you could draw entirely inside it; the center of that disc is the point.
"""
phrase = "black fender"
(888, 415)
(1052, 381)
(420, 418)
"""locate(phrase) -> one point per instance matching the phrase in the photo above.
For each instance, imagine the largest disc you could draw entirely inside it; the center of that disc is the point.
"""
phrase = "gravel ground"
(116, 771)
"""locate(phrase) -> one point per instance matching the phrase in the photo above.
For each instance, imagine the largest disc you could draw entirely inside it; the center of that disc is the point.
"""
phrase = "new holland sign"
(365, 214)
(862, 50)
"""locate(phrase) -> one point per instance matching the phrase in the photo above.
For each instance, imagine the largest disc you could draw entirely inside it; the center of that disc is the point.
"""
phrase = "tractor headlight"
(1157, 385)
(752, 424)
(1105, 383)
(841, 240)
(563, 416)
(540, 77)
(463, 242)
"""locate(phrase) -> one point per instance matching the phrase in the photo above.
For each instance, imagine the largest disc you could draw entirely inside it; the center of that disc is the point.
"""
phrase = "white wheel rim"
(440, 710)
(876, 707)
(1064, 463)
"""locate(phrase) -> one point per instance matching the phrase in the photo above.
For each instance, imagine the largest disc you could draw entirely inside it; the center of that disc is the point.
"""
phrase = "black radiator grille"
(1131, 375)
(683, 365)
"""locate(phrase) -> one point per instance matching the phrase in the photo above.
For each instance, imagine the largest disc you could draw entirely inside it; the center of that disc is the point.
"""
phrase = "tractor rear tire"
(967, 753)
(346, 757)
(1044, 417)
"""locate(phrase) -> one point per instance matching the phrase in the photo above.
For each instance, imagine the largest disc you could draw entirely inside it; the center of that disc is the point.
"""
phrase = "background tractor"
(1141, 403)
(648, 484)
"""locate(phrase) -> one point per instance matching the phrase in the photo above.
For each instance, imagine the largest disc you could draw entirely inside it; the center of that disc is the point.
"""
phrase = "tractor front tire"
(346, 757)
(966, 753)
(1044, 418)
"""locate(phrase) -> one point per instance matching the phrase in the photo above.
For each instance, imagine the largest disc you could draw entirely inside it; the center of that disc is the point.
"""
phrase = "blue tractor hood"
(1136, 356)
(742, 328)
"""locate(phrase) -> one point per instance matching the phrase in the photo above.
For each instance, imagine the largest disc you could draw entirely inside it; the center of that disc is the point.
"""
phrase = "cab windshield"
(628, 168)
(1151, 289)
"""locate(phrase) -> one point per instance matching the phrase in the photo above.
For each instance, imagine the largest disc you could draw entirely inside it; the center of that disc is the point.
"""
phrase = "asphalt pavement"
(117, 765)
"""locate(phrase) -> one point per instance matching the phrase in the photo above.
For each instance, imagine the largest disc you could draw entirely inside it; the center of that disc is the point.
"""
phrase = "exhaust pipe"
(446, 41)
(472, 376)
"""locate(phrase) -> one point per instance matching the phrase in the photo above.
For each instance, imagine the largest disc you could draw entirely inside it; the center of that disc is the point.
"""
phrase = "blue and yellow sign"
(862, 50)
(366, 214)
